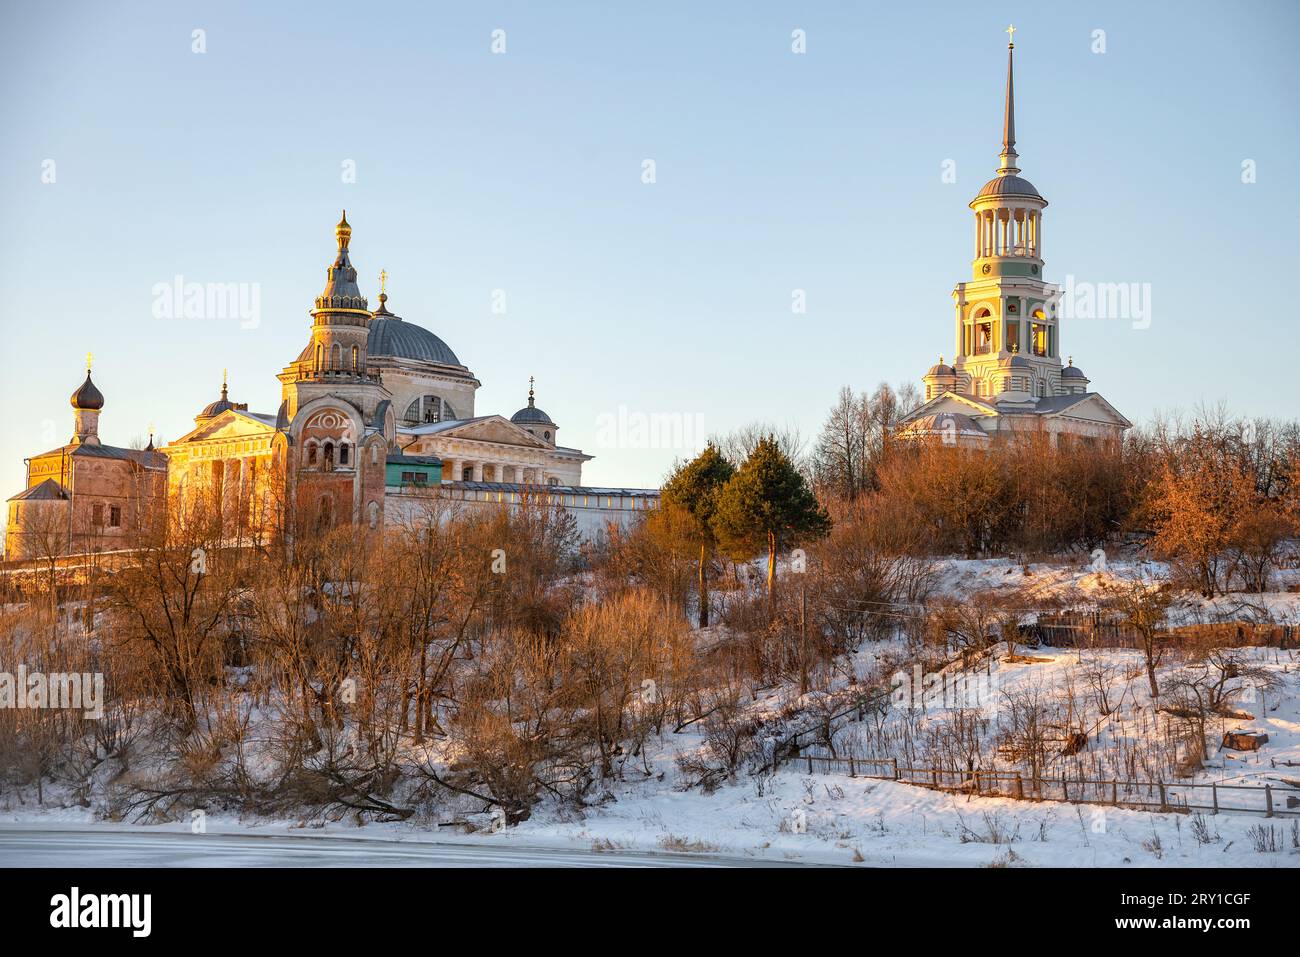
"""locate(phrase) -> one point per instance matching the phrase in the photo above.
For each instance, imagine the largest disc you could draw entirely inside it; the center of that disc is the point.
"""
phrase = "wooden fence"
(1096, 629)
(1271, 800)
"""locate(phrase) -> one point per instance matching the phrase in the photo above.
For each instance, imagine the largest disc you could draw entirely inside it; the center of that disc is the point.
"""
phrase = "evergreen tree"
(693, 488)
(768, 504)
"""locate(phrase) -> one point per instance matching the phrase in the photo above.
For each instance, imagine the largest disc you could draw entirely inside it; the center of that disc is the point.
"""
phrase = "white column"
(478, 471)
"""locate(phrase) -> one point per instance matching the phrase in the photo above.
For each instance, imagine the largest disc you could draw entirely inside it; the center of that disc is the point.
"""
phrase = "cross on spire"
(90, 359)
(530, 392)
(1011, 33)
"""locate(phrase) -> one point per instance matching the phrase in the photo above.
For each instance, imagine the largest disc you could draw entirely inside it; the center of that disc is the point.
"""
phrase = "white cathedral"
(1007, 375)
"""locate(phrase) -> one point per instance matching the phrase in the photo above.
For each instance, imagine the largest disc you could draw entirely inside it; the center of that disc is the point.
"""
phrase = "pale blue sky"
(522, 172)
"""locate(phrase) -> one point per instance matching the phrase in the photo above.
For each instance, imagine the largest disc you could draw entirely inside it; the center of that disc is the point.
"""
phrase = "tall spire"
(1009, 155)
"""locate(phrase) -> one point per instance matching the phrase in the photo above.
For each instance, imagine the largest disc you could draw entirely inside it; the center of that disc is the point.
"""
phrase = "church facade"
(375, 412)
(1006, 376)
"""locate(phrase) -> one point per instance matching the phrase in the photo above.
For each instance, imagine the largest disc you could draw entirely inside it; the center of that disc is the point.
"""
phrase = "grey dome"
(1020, 362)
(531, 415)
(213, 409)
(941, 369)
(946, 423)
(216, 408)
(390, 336)
(1008, 186)
(1072, 372)
(88, 397)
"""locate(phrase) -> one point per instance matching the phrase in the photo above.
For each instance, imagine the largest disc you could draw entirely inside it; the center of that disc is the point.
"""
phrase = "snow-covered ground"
(795, 816)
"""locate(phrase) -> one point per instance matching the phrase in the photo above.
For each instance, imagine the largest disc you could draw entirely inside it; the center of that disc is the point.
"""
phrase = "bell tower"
(1007, 348)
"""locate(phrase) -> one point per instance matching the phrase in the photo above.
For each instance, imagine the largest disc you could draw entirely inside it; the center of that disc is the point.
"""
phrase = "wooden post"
(1114, 791)
(1214, 793)
(1065, 791)
(895, 762)
(1020, 787)
(978, 789)
(1163, 803)
(1268, 799)
(810, 770)
(934, 774)
(852, 772)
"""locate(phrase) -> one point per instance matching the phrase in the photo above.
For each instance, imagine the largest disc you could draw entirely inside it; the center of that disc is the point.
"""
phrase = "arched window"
(546, 435)
(356, 359)
(1039, 336)
(981, 331)
(311, 453)
(372, 511)
(343, 453)
(320, 357)
(336, 356)
(374, 455)
(427, 409)
(329, 455)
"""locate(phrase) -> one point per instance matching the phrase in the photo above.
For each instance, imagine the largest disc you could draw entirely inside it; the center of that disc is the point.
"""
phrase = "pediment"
(230, 424)
(952, 402)
(494, 428)
(1094, 408)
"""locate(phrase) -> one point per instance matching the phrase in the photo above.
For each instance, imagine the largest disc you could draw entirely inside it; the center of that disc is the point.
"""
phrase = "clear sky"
(522, 172)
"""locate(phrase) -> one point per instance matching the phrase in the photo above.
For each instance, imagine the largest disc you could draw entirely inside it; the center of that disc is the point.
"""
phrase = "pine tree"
(694, 489)
(768, 504)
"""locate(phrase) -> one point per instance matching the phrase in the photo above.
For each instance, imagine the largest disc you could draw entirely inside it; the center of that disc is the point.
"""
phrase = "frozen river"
(114, 846)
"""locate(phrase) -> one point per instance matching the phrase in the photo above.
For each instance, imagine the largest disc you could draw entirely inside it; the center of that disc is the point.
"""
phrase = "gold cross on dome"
(1011, 33)
(90, 358)
(383, 280)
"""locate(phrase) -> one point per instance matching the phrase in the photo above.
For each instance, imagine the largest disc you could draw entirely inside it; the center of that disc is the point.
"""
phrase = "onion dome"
(88, 398)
